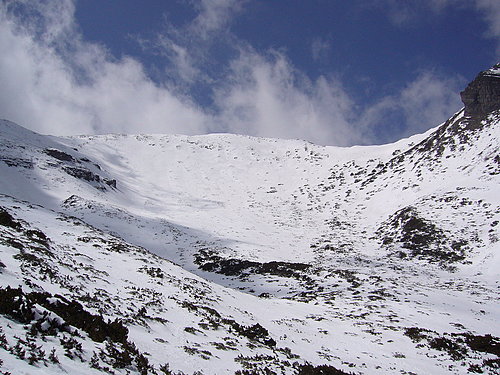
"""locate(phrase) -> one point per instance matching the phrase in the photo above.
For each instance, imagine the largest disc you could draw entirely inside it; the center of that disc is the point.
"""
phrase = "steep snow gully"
(226, 254)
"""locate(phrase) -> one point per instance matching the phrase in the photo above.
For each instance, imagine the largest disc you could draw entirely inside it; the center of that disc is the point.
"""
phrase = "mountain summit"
(226, 254)
(482, 96)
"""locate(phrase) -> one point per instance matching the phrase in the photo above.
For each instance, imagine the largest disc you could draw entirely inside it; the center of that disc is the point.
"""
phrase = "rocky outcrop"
(482, 95)
(58, 154)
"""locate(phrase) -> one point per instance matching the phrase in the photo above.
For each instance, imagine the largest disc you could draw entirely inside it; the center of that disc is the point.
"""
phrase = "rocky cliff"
(482, 95)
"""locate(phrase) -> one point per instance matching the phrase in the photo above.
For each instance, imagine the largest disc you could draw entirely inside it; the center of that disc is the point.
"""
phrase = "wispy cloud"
(188, 48)
(429, 99)
(320, 48)
(491, 13)
(408, 12)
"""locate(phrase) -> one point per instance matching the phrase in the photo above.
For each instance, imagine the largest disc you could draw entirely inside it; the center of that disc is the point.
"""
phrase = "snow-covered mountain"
(223, 254)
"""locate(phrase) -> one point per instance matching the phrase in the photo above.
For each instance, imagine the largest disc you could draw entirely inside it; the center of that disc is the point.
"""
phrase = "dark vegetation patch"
(460, 346)
(37, 236)
(213, 320)
(207, 260)
(261, 364)
(154, 272)
(118, 247)
(417, 237)
(192, 330)
(121, 356)
(54, 315)
(36, 260)
(203, 354)
(229, 343)
(34, 246)
(7, 220)
(22, 307)
(267, 364)
(349, 276)
(321, 370)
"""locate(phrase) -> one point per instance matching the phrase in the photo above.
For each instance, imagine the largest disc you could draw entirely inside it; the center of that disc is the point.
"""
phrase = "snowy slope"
(225, 253)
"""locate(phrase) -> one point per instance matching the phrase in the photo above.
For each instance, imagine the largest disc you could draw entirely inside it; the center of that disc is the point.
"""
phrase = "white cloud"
(266, 96)
(54, 82)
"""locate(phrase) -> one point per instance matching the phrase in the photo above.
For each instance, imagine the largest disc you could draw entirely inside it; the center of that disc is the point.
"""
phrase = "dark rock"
(82, 173)
(110, 183)
(481, 98)
(58, 154)
(16, 162)
(73, 201)
(482, 95)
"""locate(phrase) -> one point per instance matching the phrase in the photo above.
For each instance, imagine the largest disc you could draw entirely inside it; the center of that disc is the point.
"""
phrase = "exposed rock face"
(58, 154)
(482, 95)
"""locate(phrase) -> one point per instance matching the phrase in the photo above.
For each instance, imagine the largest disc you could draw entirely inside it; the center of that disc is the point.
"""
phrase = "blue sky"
(331, 72)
